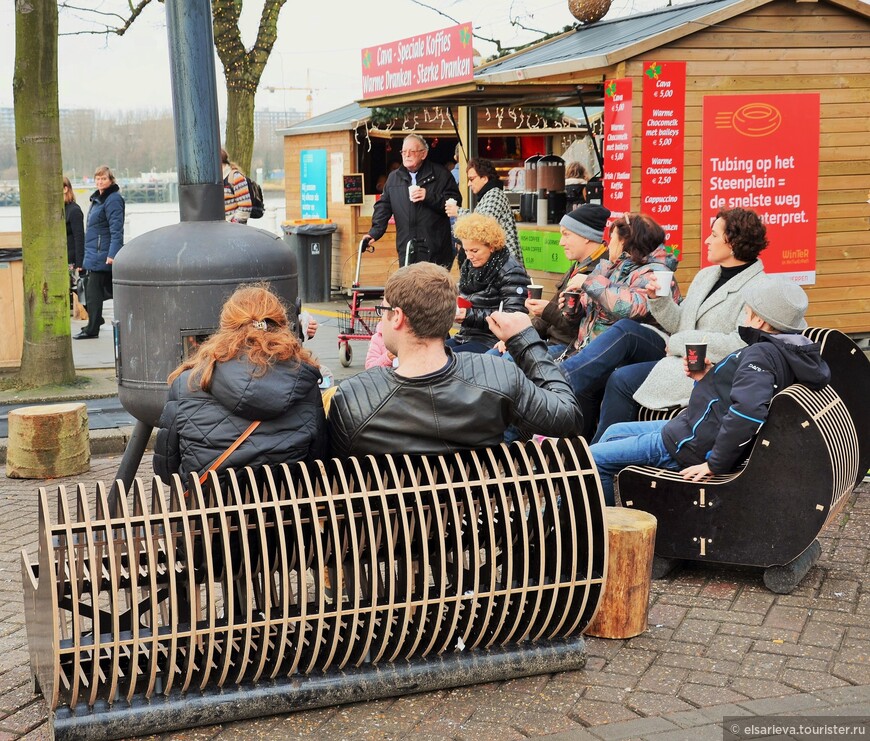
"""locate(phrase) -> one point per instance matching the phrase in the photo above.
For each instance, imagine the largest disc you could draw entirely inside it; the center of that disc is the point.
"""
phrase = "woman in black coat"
(490, 280)
(75, 233)
(252, 369)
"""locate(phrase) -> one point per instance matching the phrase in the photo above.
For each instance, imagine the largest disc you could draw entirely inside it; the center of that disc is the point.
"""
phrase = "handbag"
(226, 454)
(80, 290)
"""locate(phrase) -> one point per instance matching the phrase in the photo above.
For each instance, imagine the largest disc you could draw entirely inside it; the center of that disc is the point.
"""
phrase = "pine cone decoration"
(588, 11)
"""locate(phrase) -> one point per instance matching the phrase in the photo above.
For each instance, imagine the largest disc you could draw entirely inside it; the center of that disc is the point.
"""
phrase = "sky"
(317, 48)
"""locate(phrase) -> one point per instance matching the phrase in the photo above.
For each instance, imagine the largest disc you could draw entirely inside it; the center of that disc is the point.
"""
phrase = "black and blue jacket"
(729, 404)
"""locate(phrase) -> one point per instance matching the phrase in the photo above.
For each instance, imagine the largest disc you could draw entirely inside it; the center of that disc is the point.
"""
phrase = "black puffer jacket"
(425, 221)
(729, 404)
(197, 426)
(469, 403)
(500, 279)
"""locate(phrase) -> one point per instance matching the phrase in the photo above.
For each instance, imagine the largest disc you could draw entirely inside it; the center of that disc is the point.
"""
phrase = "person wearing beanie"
(727, 407)
(582, 239)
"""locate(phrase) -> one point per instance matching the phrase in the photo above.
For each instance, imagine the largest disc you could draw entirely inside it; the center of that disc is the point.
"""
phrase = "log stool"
(48, 441)
(631, 536)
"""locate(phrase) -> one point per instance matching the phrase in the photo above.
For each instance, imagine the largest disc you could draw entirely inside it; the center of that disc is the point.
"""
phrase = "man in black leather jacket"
(437, 402)
(419, 213)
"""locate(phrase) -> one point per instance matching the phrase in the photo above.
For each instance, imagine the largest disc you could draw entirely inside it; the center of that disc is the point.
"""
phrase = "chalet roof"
(346, 118)
(611, 41)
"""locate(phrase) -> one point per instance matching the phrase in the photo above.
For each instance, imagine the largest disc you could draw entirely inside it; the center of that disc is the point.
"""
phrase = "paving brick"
(632, 729)
(652, 704)
(700, 695)
(789, 618)
(755, 601)
(726, 615)
(852, 673)
(203, 732)
(243, 730)
(27, 718)
(662, 679)
(534, 724)
(594, 713)
(689, 719)
(808, 681)
(761, 665)
(842, 589)
(759, 688)
(667, 615)
(720, 666)
(696, 631)
(631, 662)
(807, 665)
(17, 698)
(712, 732)
(786, 648)
(782, 705)
(758, 632)
(709, 678)
(627, 681)
(817, 633)
(487, 732)
(556, 698)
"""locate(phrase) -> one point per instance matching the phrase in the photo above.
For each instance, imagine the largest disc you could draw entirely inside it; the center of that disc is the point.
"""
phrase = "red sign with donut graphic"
(761, 152)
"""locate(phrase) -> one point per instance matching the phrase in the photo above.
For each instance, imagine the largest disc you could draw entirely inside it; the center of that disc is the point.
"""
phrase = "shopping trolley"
(359, 322)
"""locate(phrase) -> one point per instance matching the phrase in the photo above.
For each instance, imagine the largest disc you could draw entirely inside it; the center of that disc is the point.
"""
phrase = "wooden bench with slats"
(311, 585)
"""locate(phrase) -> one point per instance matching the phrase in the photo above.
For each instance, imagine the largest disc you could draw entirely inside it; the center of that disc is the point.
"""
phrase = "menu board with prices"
(617, 146)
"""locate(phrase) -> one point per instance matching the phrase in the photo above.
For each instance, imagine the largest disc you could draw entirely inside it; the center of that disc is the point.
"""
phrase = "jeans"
(554, 351)
(618, 404)
(630, 444)
(469, 346)
(624, 343)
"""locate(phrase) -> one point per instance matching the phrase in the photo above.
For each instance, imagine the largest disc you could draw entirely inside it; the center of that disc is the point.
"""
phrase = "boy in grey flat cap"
(727, 407)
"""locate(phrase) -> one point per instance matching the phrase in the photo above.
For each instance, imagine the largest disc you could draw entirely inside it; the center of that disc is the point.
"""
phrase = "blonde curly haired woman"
(490, 280)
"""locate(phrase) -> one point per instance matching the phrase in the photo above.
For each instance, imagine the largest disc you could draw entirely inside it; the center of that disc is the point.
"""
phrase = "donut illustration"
(752, 119)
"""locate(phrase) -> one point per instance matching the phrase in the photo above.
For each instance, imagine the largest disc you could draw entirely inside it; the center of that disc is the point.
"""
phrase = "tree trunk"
(242, 71)
(47, 357)
(240, 125)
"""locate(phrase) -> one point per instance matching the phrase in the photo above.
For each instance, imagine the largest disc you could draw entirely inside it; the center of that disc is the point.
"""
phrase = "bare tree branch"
(135, 12)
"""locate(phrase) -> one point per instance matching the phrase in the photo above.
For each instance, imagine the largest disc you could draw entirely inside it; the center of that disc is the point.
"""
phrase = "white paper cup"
(411, 190)
(664, 278)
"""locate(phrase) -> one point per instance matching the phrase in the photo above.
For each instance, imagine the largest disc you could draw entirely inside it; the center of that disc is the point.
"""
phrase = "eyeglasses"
(379, 310)
(412, 151)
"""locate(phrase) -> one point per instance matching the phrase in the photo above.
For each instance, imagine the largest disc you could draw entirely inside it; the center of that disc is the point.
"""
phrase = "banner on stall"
(617, 146)
(542, 251)
(421, 62)
(312, 179)
(761, 152)
(662, 149)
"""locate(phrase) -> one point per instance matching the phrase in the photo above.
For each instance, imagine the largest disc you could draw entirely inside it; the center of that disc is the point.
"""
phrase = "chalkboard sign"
(353, 189)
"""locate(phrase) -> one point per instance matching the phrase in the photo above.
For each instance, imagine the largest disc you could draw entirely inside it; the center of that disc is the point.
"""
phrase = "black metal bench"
(313, 585)
(809, 455)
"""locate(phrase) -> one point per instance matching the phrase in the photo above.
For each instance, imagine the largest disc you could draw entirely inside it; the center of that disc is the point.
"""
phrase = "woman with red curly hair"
(252, 368)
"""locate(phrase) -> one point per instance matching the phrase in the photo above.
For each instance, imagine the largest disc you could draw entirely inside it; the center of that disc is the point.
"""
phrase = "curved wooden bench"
(803, 464)
(313, 585)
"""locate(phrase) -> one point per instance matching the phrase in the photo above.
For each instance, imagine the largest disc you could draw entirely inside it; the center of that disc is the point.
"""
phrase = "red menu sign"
(661, 155)
(430, 60)
(617, 146)
(761, 152)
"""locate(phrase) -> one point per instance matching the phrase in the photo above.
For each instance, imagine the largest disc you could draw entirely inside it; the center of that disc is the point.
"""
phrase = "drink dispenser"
(529, 198)
(551, 178)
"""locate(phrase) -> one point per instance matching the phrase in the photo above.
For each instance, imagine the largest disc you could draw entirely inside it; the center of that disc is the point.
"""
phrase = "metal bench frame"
(313, 585)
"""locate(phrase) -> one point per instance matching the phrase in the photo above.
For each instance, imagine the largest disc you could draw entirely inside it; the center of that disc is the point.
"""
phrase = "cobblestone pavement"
(718, 644)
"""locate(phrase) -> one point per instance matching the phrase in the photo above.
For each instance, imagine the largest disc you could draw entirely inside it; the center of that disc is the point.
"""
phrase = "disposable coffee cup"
(664, 278)
(696, 356)
(411, 190)
(536, 291)
(572, 303)
(449, 201)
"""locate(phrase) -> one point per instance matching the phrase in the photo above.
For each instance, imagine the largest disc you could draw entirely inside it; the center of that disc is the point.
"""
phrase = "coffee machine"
(529, 198)
(551, 185)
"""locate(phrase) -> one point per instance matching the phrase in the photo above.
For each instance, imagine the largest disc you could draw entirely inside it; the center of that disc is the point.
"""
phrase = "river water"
(143, 217)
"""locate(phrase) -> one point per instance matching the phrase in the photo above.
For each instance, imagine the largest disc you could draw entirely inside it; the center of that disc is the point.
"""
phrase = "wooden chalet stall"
(730, 48)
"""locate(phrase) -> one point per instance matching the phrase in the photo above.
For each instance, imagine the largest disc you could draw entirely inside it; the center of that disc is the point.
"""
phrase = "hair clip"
(260, 324)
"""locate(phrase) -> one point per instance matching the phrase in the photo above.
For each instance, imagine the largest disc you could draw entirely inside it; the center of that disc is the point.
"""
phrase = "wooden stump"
(48, 441)
(631, 536)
